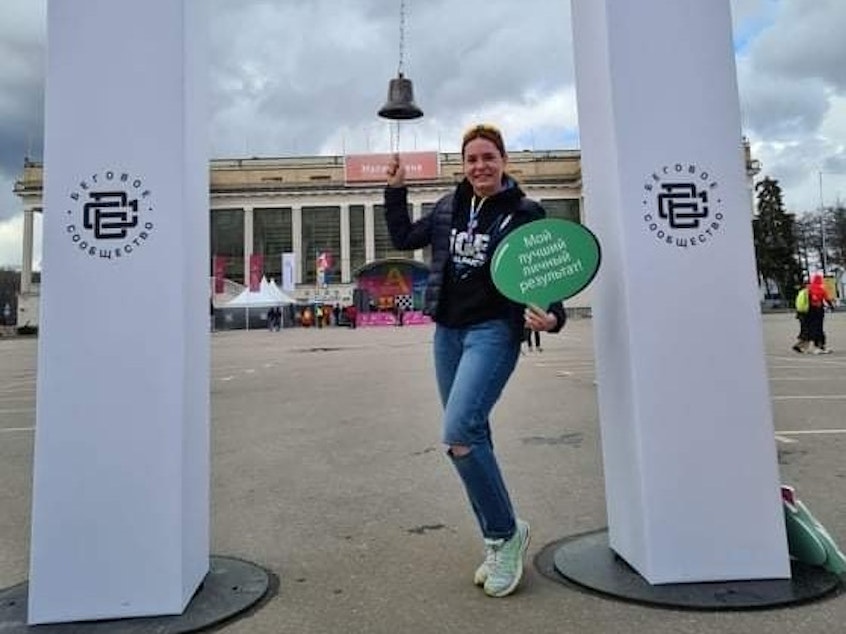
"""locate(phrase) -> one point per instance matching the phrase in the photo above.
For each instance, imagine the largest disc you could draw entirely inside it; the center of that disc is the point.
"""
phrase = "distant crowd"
(320, 315)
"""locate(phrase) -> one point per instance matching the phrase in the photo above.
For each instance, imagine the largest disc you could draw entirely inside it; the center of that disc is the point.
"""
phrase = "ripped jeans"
(472, 366)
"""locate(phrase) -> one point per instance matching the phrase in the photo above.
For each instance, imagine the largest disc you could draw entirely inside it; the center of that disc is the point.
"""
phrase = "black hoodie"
(459, 291)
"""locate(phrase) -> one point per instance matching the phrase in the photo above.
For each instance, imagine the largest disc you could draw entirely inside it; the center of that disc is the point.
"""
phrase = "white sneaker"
(481, 574)
(505, 568)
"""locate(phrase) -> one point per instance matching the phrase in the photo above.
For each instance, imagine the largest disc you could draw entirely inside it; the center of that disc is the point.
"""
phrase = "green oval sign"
(545, 261)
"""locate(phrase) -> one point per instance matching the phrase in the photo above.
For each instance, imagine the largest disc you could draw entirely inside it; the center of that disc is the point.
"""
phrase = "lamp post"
(822, 226)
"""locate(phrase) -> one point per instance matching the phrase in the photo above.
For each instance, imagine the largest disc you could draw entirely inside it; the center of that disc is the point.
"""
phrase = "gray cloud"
(789, 76)
(22, 37)
(777, 109)
(284, 89)
(806, 42)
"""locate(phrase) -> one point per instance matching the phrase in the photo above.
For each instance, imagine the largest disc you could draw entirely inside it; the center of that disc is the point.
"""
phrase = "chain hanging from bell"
(400, 105)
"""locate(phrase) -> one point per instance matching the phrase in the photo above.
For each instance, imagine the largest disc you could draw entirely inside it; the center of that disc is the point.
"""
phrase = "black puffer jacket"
(434, 229)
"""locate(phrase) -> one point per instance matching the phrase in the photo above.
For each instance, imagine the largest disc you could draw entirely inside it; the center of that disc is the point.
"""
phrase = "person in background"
(801, 305)
(478, 331)
(528, 335)
(307, 317)
(352, 313)
(818, 299)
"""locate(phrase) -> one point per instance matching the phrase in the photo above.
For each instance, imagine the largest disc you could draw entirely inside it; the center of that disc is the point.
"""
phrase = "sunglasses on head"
(481, 129)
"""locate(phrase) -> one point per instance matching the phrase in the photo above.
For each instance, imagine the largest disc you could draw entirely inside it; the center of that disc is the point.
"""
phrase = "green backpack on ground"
(802, 303)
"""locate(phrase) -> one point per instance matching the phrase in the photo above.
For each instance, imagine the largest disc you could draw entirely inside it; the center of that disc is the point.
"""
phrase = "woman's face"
(483, 166)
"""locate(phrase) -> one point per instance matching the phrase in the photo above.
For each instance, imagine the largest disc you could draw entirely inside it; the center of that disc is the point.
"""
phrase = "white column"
(120, 515)
(689, 454)
(416, 212)
(369, 236)
(297, 239)
(26, 268)
(248, 242)
(345, 243)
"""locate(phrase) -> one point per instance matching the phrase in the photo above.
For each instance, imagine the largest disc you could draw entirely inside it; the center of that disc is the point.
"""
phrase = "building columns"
(416, 212)
(28, 240)
(345, 243)
(369, 233)
(248, 242)
(297, 239)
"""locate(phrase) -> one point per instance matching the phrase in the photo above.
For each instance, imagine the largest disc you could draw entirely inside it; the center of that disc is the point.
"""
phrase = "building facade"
(324, 212)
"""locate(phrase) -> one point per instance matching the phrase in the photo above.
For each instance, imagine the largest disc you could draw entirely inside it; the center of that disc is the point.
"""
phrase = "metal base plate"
(229, 589)
(587, 561)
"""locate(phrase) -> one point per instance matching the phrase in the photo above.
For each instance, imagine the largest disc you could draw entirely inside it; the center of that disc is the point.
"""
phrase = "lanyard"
(473, 221)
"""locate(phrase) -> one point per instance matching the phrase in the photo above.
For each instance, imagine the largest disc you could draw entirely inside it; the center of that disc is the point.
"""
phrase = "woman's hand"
(538, 319)
(396, 172)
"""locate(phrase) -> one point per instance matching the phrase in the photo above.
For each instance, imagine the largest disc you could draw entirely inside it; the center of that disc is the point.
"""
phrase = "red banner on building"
(219, 273)
(373, 168)
(256, 271)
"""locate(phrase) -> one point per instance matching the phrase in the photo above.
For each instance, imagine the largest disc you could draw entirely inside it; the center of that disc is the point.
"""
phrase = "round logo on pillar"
(681, 206)
(109, 214)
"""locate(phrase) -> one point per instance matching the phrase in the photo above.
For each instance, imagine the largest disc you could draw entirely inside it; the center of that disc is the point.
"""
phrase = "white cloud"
(11, 225)
(11, 229)
(11, 232)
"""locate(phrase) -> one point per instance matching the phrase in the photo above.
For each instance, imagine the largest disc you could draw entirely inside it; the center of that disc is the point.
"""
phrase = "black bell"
(400, 104)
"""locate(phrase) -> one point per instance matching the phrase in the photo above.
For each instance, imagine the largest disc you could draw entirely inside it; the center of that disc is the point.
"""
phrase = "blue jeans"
(472, 366)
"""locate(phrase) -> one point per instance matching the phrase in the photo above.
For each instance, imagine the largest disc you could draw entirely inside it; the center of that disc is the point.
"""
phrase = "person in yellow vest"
(801, 305)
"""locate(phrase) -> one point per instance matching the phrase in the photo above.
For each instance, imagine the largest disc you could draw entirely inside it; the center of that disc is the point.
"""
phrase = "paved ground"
(326, 469)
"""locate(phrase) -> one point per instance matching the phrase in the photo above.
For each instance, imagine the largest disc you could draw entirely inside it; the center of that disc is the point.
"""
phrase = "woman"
(818, 299)
(478, 332)
(528, 334)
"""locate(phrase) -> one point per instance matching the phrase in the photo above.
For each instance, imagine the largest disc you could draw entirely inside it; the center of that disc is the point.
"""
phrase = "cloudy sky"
(293, 77)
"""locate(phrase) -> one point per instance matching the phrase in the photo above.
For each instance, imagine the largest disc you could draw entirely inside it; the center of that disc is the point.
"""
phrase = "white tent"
(249, 299)
(268, 296)
(273, 289)
(265, 297)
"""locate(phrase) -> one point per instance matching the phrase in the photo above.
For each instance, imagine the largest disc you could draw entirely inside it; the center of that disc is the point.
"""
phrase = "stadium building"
(315, 224)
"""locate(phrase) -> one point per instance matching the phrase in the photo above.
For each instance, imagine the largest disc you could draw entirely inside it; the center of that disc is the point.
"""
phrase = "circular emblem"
(109, 215)
(681, 205)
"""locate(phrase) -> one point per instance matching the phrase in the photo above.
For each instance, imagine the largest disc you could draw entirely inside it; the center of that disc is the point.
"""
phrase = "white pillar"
(416, 212)
(248, 243)
(297, 239)
(369, 233)
(26, 268)
(120, 510)
(345, 244)
(689, 453)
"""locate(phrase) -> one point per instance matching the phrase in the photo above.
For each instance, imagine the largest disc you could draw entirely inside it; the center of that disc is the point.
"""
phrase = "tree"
(835, 238)
(822, 231)
(10, 284)
(776, 252)
(808, 241)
